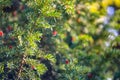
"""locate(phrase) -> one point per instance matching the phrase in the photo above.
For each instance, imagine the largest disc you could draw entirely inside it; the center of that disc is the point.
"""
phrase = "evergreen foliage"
(59, 39)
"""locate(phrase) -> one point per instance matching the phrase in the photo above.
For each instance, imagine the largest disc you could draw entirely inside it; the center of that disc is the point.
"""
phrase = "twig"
(21, 66)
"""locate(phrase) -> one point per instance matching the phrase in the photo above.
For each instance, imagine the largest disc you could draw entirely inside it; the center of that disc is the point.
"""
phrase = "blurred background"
(74, 39)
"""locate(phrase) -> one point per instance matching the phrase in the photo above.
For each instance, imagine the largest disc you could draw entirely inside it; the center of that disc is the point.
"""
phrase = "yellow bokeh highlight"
(94, 8)
(106, 3)
(117, 3)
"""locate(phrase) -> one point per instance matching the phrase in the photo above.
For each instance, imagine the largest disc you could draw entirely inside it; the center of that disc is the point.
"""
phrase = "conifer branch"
(21, 66)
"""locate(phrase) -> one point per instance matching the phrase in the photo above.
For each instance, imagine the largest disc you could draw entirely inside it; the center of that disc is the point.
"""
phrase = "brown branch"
(21, 66)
